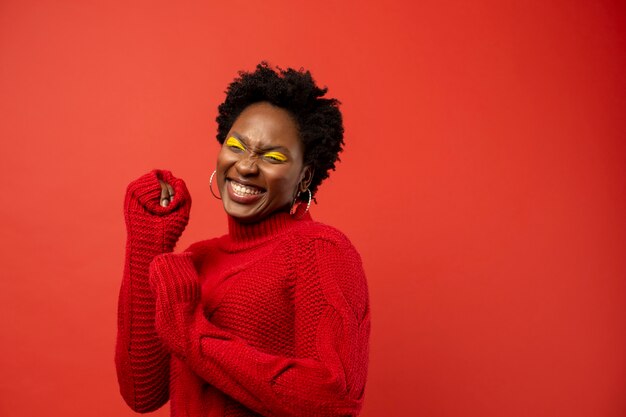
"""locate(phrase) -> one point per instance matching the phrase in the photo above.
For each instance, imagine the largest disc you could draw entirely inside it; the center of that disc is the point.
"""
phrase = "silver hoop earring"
(211, 186)
(296, 205)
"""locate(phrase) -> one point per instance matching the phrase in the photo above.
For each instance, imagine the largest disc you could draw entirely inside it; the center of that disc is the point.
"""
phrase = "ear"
(306, 177)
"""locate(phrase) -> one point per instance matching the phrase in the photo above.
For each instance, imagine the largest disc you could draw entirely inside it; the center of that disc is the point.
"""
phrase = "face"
(260, 166)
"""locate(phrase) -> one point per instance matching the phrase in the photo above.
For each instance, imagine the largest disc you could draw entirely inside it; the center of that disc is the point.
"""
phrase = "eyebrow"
(243, 139)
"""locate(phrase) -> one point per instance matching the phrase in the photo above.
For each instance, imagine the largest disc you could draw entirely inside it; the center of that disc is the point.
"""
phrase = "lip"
(243, 199)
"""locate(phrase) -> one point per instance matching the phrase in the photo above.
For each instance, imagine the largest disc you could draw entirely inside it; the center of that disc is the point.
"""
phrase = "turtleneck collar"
(242, 235)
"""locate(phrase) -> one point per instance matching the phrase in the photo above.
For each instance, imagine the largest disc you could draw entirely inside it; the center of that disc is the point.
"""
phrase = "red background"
(483, 183)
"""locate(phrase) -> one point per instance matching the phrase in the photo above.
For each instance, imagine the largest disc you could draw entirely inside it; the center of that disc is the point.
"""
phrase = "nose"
(247, 166)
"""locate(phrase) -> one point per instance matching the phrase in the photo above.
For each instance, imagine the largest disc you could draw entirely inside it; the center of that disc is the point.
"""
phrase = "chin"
(246, 219)
(244, 214)
(251, 214)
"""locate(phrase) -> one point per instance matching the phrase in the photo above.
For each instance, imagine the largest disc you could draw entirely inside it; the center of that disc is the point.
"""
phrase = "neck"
(273, 225)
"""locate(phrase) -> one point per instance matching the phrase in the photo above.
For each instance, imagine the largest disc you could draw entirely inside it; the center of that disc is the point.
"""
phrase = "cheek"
(285, 182)
(225, 159)
(221, 166)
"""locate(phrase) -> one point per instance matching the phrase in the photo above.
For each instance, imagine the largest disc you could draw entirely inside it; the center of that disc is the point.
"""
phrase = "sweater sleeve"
(141, 360)
(326, 376)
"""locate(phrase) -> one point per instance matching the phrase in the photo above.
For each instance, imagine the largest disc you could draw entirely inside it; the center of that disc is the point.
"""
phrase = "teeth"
(244, 190)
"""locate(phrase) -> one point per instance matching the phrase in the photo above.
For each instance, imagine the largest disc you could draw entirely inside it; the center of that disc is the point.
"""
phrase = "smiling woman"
(260, 168)
(271, 319)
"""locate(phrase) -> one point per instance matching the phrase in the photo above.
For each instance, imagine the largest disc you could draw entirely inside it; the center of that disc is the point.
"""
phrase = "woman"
(271, 319)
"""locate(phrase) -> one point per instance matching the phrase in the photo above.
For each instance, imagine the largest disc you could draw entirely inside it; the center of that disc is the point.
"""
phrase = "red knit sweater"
(271, 319)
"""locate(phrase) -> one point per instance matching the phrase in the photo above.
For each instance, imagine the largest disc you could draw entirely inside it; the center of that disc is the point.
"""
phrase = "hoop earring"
(296, 205)
(211, 186)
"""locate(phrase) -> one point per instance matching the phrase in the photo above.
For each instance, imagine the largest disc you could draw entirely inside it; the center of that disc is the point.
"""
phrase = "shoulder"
(325, 244)
(322, 236)
(325, 255)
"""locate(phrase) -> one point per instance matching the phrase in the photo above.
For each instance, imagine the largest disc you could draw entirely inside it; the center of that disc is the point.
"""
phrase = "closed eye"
(233, 142)
(275, 156)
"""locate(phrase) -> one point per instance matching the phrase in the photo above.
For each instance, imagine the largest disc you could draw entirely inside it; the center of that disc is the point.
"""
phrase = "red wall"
(484, 183)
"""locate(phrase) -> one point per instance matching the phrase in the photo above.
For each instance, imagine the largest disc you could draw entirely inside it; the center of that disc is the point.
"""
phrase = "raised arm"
(141, 360)
(326, 376)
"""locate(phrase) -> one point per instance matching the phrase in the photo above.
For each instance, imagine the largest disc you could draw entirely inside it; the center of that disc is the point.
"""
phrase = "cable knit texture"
(269, 320)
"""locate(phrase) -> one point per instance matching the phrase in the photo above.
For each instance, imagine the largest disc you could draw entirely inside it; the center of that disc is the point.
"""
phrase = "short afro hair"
(319, 121)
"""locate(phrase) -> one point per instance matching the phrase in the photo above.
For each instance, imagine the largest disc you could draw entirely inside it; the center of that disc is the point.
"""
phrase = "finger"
(165, 197)
(171, 191)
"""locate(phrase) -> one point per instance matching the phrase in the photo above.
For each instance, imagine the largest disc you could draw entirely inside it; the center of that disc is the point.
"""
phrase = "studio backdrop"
(483, 182)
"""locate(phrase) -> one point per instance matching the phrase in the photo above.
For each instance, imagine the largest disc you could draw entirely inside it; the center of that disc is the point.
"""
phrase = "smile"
(244, 190)
(243, 194)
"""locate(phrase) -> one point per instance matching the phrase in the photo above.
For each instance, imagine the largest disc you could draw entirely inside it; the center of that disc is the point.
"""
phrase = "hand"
(155, 192)
(159, 202)
(167, 193)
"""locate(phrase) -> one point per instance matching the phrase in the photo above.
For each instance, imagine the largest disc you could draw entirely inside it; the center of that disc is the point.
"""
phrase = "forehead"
(263, 124)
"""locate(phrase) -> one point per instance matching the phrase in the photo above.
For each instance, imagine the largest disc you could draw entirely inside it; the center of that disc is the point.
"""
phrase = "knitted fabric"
(271, 319)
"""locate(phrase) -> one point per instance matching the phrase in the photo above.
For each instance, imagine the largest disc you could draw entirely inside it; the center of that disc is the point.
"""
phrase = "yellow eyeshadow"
(234, 142)
(276, 155)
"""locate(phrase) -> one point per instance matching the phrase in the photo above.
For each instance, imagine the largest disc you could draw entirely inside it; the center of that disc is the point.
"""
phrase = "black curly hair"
(319, 121)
